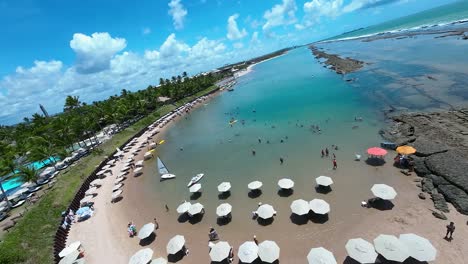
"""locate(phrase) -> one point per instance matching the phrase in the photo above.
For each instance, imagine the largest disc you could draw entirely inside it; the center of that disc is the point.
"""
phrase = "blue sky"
(93, 49)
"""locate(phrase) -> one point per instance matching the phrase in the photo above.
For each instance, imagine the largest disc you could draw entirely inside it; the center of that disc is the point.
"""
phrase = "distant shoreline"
(250, 67)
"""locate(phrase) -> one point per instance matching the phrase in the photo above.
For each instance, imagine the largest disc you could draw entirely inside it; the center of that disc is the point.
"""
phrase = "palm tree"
(71, 102)
(29, 174)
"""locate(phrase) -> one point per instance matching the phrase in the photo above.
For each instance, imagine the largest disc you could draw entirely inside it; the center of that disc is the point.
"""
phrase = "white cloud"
(172, 47)
(254, 40)
(93, 53)
(238, 45)
(316, 9)
(178, 13)
(233, 31)
(146, 31)
(280, 14)
(364, 4)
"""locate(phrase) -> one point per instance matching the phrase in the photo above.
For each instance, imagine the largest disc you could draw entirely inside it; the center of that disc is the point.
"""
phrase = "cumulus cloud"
(316, 9)
(233, 31)
(365, 4)
(280, 14)
(178, 13)
(93, 53)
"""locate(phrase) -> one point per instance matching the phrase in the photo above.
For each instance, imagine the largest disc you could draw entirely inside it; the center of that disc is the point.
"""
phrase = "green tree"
(29, 174)
(71, 102)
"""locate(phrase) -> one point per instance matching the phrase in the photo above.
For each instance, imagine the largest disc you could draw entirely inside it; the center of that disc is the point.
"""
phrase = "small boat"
(162, 168)
(230, 89)
(195, 179)
(167, 176)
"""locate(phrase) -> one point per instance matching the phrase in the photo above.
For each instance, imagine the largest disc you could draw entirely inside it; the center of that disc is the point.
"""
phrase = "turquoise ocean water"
(438, 16)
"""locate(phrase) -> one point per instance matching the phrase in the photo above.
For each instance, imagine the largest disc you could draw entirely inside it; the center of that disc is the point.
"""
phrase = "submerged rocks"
(456, 196)
(439, 202)
(452, 166)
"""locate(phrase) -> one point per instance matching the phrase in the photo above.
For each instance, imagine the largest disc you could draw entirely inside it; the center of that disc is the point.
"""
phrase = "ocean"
(436, 17)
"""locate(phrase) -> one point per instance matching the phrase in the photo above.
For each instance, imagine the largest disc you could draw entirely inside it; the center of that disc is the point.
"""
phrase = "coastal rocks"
(437, 180)
(452, 166)
(456, 196)
(427, 147)
(336, 63)
(422, 196)
(439, 215)
(420, 167)
(439, 202)
(427, 185)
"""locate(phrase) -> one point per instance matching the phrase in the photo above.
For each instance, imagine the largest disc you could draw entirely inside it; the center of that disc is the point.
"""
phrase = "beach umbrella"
(80, 261)
(116, 194)
(419, 247)
(72, 247)
(406, 150)
(129, 160)
(361, 250)
(175, 244)
(195, 209)
(139, 163)
(84, 211)
(224, 187)
(117, 186)
(146, 230)
(285, 183)
(248, 252)
(195, 188)
(96, 182)
(223, 209)
(376, 151)
(255, 185)
(125, 168)
(123, 173)
(320, 255)
(159, 261)
(91, 191)
(300, 207)
(183, 208)
(319, 206)
(118, 180)
(220, 251)
(70, 258)
(87, 199)
(106, 167)
(384, 191)
(101, 172)
(268, 251)
(324, 180)
(391, 248)
(138, 170)
(265, 211)
(143, 256)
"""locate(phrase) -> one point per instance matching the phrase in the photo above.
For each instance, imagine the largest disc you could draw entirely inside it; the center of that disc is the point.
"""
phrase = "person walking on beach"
(326, 152)
(281, 160)
(334, 164)
(167, 207)
(253, 152)
(450, 230)
(323, 153)
(259, 140)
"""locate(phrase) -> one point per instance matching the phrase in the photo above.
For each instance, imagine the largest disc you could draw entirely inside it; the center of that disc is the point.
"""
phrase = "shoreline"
(249, 68)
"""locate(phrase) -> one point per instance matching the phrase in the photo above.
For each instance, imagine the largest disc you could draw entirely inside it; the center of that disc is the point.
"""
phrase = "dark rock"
(422, 196)
(418, 180)
(419, 185)
(427, 185)
(439, 215)
(420, 167)
(425, 147)
(452, 166)
(437, 180)
(456, 196)
(439, 202)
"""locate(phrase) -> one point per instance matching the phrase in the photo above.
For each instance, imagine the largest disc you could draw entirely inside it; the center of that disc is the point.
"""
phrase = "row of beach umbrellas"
(302, 207)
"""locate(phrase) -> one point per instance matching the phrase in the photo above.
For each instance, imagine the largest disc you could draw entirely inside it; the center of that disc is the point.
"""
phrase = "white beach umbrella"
(220, 251)
(183, 208)
(255, 185)
(117, 187)
(268, 251)
(148, 155)
(116, 194)
(391, 248)
(139, 163)
(111, 162)
(118, 180)
(159, 261)
(419, 247)
(223, 209)
(224, 187)
(91, 191)
(125, 168)
(319, 206)
(86, 199)
(195, 209)
(96, 182)
(265, 211)
(361, 250)
(300, 207)
(138, 171)
(101, 172)
(384, 191)
(129, 160)
(146, 230)
(72, 247)
(248, 252)
(123, 173)
(195, 188)
(324, 180)
(175, 244)
(70, 258)
(143, 256)
(320, 255)
(106, 167)
(286, 183)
